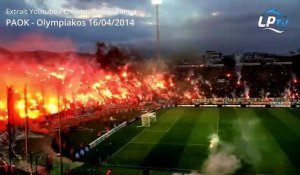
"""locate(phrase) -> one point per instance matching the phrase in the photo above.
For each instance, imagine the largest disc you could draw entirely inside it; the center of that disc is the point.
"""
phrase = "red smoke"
(76, 80)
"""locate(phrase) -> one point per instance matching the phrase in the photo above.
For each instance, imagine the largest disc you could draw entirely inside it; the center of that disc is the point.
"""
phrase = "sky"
(228, 26)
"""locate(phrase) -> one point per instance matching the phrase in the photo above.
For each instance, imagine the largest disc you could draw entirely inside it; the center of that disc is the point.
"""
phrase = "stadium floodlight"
(157, 3)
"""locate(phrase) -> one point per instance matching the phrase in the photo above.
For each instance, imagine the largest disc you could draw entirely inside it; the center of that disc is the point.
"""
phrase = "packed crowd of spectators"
(266, 79)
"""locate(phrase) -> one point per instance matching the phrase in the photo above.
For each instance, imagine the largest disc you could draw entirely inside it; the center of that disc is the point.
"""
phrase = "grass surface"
(265, 141)
(87, 132)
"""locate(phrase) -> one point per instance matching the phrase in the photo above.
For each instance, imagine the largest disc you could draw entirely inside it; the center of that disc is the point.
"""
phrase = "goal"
(148, 118)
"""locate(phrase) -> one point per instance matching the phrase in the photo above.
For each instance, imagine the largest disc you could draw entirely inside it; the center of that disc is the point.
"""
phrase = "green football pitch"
(251, 141)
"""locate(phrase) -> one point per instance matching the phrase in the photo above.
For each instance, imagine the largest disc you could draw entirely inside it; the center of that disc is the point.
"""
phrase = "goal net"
(148, 118)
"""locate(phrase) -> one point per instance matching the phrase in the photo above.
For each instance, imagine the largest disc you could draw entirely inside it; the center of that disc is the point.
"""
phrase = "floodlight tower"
(157, 3)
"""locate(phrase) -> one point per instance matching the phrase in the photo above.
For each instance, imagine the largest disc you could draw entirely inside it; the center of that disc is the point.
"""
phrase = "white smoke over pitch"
(221, 160)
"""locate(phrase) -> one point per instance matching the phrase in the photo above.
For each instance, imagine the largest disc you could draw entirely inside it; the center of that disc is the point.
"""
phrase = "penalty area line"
(218, 120)
(131, 141)
(119, 150)
(151, 143)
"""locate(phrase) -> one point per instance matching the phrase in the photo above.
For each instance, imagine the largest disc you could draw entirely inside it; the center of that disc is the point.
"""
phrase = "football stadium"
(132, 88)
(214, 140)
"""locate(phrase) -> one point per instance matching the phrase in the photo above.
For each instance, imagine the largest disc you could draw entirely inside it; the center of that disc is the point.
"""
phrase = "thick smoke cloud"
(221, 160)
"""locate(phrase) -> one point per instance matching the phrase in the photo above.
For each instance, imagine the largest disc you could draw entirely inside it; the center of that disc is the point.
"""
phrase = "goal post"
(148, 118)
(145, 120)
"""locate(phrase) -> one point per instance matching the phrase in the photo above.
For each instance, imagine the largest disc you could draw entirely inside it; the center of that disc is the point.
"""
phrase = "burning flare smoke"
(70, 81)
(221, 160)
